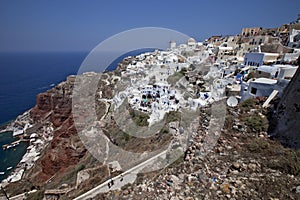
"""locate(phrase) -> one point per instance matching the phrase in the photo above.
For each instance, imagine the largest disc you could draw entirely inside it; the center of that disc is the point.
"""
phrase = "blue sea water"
(24, 75)
(12, 156)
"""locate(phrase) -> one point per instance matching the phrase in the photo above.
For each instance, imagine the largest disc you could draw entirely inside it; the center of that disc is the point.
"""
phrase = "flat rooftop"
(265, 81)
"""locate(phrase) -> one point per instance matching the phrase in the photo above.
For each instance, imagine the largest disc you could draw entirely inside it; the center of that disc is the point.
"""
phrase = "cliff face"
(55, 103)
(65, 149)
(288, 114)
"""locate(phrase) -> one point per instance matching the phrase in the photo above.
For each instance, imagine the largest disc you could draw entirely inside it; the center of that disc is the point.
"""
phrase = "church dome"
(191, 41)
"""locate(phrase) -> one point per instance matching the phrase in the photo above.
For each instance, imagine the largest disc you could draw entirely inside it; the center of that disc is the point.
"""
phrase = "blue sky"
(80, 25)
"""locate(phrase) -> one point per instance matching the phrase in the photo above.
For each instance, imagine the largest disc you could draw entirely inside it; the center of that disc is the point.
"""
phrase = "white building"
(254, 59)
(266, 71)
(262, 87)
(268, 78)
(294, 38)
(258, 59)
(286, 71)
(172, 44)
(291, 57)
(258, 87)
(191, 43)
(224, 51)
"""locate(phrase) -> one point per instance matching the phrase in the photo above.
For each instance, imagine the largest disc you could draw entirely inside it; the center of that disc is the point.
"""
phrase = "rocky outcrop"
(287, 116)
(55, 103)
(65, 149)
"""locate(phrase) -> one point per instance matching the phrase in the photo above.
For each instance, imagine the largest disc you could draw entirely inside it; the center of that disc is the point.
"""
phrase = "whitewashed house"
(265, 86)
(286, 71)
(172, 44)
(258, 87)
(294, 38)
(291, 57)
(258, 59)
(266, 71)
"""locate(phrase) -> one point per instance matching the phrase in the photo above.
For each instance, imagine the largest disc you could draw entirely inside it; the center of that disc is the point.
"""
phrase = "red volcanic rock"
(65, 149)
(42, 107)
(54, 161)
(61, 111)
(52, 102)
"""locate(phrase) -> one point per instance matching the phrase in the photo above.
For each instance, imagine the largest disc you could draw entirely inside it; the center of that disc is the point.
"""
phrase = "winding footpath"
(120, 180)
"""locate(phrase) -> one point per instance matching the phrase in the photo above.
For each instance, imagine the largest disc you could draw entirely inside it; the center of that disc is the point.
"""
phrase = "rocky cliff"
(65, 149)
(287, 116)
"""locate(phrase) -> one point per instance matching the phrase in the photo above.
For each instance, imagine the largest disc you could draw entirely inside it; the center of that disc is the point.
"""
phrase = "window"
(253, 90)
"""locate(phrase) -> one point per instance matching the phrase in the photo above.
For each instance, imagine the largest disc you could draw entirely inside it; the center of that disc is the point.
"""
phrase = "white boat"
(15, 144)
(9, 168)
(1, 173)
(12, 145)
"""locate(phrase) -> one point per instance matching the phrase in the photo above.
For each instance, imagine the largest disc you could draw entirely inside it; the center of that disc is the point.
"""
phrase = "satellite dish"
(298, 189)
(232, 101)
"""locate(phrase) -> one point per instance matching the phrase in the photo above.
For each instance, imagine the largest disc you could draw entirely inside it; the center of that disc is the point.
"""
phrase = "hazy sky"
(80, 25)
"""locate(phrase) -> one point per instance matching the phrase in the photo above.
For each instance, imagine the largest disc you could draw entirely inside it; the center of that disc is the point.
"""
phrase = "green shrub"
(140, 118)
(258, 146)
(247, 104)
(257, 123)
(183, 70)
(229, 122)
(126, 136)
(289, 163)
(164, 130)
(173, 116)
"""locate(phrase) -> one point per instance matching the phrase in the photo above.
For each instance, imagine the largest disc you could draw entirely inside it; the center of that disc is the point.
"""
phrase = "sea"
(22, 77)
